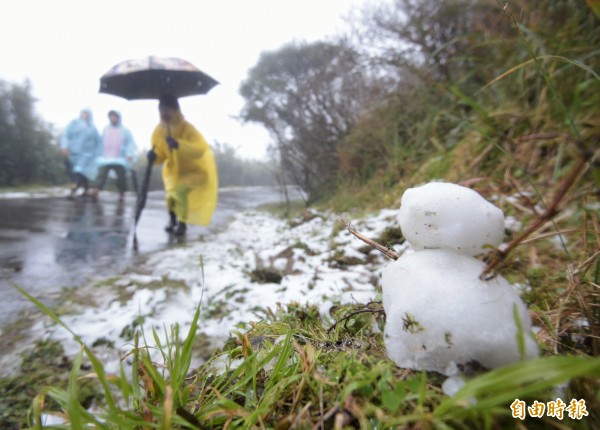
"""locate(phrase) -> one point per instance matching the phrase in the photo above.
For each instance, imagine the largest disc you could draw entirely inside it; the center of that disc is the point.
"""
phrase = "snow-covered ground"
(215, 273)
(42, 192)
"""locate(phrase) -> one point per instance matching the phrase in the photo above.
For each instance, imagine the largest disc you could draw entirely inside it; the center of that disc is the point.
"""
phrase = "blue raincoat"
(82, 140)
(120, 153)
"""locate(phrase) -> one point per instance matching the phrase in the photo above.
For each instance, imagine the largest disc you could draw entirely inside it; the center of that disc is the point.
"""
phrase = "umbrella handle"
(169, 135)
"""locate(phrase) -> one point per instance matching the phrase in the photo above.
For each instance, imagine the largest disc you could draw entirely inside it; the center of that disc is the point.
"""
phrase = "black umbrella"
(151, 78)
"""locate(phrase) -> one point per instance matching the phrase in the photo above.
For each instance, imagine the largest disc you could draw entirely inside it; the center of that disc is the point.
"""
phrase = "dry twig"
(384, 250)
(365, 309)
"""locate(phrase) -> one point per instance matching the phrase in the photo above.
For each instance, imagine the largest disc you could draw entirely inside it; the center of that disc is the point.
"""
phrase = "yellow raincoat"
(189, 172)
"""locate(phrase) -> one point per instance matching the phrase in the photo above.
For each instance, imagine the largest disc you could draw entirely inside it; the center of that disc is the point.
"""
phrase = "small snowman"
(440, 316)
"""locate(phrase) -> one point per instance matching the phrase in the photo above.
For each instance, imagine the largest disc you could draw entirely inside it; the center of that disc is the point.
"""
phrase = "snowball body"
(445, 215)
(440, 314)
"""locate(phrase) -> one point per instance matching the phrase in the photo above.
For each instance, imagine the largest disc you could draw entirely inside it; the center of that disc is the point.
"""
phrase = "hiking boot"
(76, 192)
(180, 230)
(172, 223)
(93, 194)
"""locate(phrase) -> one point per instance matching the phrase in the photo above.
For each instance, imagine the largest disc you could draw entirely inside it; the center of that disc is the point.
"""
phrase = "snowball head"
(445, 215)
(440, 315)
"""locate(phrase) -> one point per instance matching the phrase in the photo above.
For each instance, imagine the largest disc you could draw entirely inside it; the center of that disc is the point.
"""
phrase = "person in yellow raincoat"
(189, 172)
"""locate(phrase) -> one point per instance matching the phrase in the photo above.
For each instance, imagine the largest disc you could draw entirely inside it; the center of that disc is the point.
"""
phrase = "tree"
(27, 150)
(235, 171)
(438, 41)
(308, 97)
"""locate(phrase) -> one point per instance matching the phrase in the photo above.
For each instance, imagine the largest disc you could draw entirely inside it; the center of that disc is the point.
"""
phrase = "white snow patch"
(215, 272)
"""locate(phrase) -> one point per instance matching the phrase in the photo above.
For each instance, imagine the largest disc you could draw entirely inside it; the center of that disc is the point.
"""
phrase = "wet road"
(47, 244)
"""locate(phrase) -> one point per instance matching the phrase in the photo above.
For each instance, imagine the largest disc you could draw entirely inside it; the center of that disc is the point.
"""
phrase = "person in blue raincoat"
(118, 154)
(81, 145)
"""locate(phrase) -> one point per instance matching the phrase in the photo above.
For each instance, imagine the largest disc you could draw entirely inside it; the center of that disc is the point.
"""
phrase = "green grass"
(294, 369)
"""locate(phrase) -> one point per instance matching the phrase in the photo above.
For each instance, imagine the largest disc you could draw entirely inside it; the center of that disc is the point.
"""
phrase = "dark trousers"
(121, 176)
(81, 181)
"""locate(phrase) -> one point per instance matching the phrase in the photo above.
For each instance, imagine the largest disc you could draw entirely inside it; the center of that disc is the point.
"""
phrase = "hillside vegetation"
(507, 95)
(425, 90)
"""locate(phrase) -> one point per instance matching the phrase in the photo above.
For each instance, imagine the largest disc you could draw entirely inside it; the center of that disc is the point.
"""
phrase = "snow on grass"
(167, 288)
